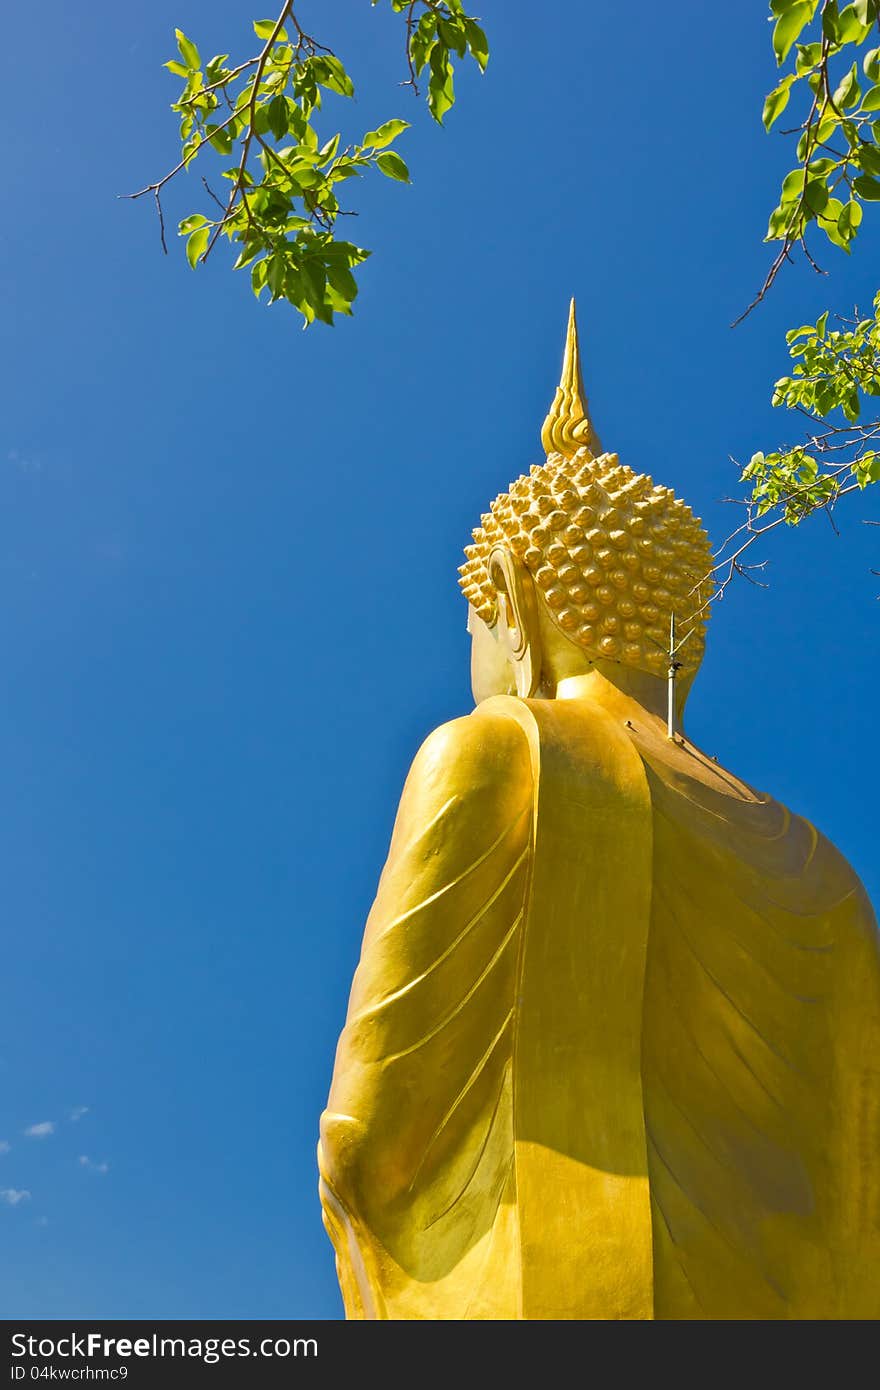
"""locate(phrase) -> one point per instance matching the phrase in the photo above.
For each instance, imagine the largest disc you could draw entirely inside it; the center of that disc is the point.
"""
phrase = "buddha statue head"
(584, 566)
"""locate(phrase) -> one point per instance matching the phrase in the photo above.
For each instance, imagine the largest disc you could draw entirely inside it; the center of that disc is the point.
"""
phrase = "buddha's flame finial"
(568, 426)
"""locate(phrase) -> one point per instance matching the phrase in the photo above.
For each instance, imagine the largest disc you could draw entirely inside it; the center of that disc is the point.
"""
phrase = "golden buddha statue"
(613, 1045)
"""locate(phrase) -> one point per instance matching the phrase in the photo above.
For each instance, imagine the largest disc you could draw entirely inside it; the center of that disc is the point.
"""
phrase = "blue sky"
(229, 611)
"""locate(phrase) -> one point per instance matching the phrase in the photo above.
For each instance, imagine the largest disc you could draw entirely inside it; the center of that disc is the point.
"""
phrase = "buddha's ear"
(518, 628)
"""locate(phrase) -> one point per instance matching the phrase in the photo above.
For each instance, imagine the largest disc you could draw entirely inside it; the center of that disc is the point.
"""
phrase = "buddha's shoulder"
(496, 750)
(510, 729)
(480, 753)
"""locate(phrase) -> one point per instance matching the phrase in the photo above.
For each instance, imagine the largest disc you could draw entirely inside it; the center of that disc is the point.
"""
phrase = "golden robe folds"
(613, 1046)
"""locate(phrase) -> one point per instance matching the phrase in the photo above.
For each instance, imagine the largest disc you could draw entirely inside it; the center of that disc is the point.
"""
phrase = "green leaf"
(261, 118)
(782, 222)
(792, 186)
(829, 219)
(808, 56)
(252, 246)
(221, 140)
(345, 168)
(831, 21)
(189, 224)
(777, 100)
(869, 159)
(851, 405)
(452, 36)
(872, 100)
(196, 245)
(423, 40)
(849, 220)
(332, 75)
(816, 195)
(258, 276)
(276, 273)
(867, 469)
(346, 252)
(848, 92)
(393, 166)
(263, 28)
(788, 28)
(821, 324)
(871, 65)
(867, 188)
(215, 69)
(477, 42)
(342, 280)
(177, 68)
(851, 29)
(441, 93)
(188, 51)
(385, 133)
(827, 126)
(315, 277)
(276, 116)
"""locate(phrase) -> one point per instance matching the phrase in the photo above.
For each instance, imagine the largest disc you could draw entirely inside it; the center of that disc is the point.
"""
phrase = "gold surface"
(612, 553)
(568, 426)
(613, 1044)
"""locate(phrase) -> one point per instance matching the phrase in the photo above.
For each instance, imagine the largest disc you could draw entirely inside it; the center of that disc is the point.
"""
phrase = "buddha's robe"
(613, 1045)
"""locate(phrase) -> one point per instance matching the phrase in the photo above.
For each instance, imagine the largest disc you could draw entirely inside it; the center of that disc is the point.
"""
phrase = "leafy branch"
(800, 496)
(283, 202)
(838, 146)
(836, 370)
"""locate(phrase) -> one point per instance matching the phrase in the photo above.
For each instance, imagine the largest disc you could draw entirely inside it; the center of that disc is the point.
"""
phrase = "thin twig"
(221, 82)
(161, 220)
(790, 239)
(160, 183)
(411, 81)
(237, 186)
(211, 194)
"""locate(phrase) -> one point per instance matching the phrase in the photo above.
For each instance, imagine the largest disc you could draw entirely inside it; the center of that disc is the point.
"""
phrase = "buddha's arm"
(416, 1126)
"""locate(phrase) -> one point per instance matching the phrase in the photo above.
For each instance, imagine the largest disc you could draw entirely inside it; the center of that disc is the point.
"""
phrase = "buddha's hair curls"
(612, 556)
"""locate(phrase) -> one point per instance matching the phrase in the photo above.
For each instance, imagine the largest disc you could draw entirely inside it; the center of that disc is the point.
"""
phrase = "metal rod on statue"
(673, 667)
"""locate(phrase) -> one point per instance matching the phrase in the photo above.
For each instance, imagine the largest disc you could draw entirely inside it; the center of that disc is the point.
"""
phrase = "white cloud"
(5, 1146)
(77, 1112)
(13, 1195)
(40, 1131)
(23, 462)
(86, 1162)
